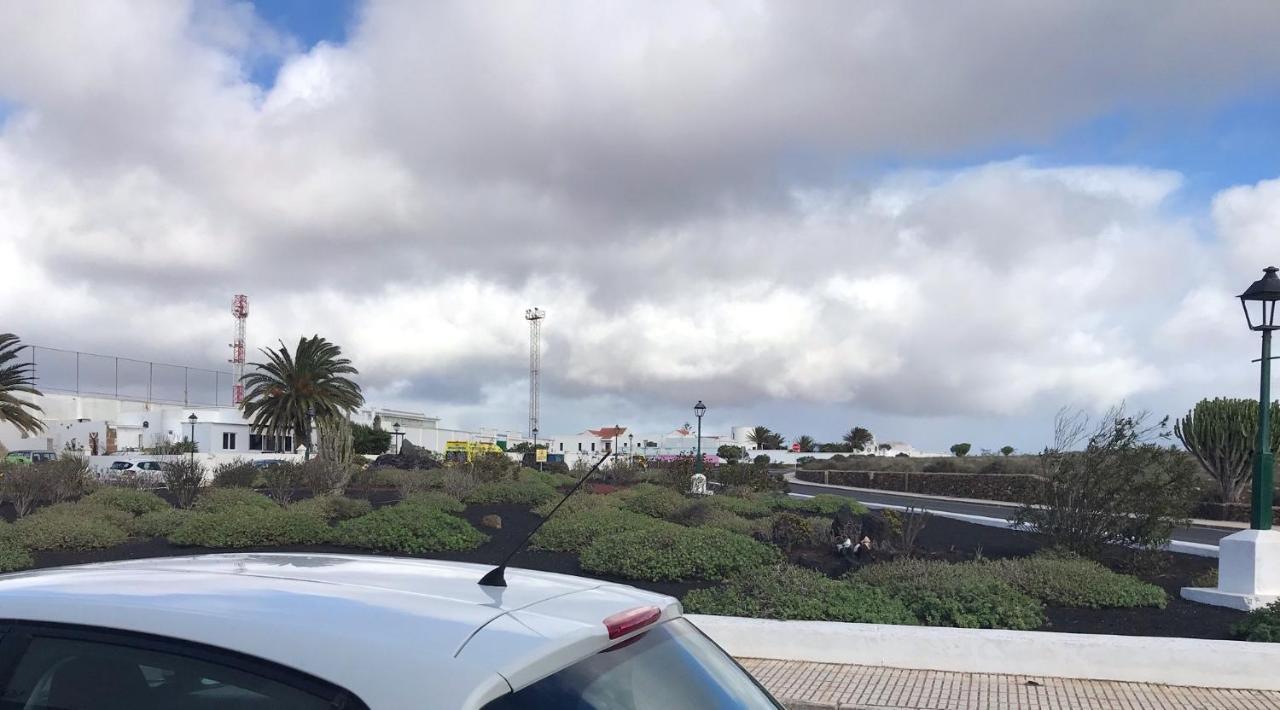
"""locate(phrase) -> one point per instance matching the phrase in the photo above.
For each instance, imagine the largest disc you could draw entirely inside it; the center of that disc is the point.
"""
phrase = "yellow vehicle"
(467, 451)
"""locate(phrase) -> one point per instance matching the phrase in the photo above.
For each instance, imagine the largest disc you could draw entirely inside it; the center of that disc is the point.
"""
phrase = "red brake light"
(624, 622)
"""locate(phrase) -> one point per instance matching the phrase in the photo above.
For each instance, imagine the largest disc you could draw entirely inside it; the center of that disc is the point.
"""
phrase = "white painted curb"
(1136, 659)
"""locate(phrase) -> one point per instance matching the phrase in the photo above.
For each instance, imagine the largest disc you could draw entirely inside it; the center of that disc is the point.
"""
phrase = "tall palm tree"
(761, 436)
(858, 438)
(806, 443)
(279, 392)
(14, 378)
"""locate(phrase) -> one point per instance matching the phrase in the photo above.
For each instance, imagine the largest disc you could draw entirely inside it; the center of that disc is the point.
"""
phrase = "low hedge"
(546, 478)
(1260, 625)
(160, 523)
(412, 529)
(530, 493)
(749, 507)
(575, 530)
(676, 553)
(72, 526)
(789, 593)
(13, 556)
(944, 594)
(703, 514)
(578, 502)
(823, 504)
(438, 501)
(212, 500)
(1003, 487)
(330, 508)
(250, 526)
(1062, 580)
(649, 499)
(128, 500)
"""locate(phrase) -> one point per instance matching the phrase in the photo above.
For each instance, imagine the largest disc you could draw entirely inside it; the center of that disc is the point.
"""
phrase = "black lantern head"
(192, 418)
(699, 409)
(1259, 301)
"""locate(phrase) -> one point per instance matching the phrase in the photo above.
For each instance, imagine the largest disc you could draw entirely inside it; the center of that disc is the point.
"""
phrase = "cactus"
(336, 443)
(1222, 434)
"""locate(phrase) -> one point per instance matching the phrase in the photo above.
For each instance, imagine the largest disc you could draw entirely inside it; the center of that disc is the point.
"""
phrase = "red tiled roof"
(609, 432)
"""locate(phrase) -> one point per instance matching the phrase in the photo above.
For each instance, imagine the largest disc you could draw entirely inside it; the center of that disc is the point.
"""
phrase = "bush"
(183, 477)
(128, 500)
(651, 500)
(530, 493)
(13, 556)
(72, 526)
(750, 507)
(235, 474)
(22, 485)
(282, 480)
(1260, 625)
(575, 530)
(67, 477)
(1072, 581)
(214, 500)
(755, 477)
(324, 476)
(160, 523)
(492, 467)
(963, 595)
(823, 504)
(411, 529)
(675, 553)
(546, 478)
(761, 460)
(438, 501)
(789, 531)
(330, 508)
(791, 593)
(731, 453)
(1123, 488)
(367, 479)
(250, 526)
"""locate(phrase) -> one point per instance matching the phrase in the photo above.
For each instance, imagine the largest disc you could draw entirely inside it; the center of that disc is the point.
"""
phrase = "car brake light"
(624, 622)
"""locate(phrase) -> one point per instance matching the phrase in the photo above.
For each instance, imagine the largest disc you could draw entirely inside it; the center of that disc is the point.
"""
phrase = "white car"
(303, 632)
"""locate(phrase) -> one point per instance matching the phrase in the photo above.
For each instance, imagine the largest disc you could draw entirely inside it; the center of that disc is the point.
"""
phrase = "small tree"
(1223, 434)
(183, 477)
(961, 449)
(1006, 450)
(1123, 487)
(731, 453)
(370, 440)
(858, 438)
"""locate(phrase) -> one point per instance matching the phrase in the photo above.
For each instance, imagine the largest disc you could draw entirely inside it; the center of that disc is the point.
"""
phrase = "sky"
(943, 222)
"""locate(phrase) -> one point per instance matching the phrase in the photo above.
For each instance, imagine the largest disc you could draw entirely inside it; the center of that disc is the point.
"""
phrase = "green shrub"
(371, 478)
(72, 526)
(547, 478)
(412, 529)
(184, 478)
(282, 480)
(753, 507)
(674, 553)
(788, 531)
(530, 493)
(703, 513)
(160, 523)
(789, 593)
(493, 467)
(1075, 582)
(1260, 625)
(333, 507)
(323, 476)
(249, 526)
(754, 476)
(579, 501)
(822, 504)
(235, 474)
(651, 500)
(128, 500)
(213, 500)
(575, 530)
(13, 556)
(943, 594)
(438, 501)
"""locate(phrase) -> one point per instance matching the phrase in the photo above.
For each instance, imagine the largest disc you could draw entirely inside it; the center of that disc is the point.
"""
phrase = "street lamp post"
(192, 419)
(395, 431)
(1249, 560)
(1264, 292)
(699, 409)
(311, 432)
(631, 447)
(534, 431)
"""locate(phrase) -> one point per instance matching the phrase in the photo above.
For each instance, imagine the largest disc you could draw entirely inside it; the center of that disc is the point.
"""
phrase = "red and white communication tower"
(239, 309)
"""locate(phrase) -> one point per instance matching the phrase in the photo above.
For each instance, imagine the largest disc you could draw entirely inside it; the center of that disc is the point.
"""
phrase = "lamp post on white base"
(1249, 561)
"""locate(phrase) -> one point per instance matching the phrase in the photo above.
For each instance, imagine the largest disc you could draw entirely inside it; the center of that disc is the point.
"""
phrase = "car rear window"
(670, 666)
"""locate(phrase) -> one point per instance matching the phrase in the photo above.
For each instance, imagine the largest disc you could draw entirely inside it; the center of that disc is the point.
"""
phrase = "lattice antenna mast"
(239, 309)
(534, 316)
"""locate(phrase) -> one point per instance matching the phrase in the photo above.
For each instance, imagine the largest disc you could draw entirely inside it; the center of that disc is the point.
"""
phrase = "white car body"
(396, 633)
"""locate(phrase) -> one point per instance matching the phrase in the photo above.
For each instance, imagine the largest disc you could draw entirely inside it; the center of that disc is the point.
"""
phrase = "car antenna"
(496, 577)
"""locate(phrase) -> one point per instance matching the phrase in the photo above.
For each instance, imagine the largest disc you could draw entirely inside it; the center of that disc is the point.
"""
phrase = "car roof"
(388, 629)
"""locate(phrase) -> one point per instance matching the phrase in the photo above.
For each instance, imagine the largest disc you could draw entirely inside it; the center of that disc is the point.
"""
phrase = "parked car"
(303, 632)
(28, 456)
(121, 465)
(267, 463)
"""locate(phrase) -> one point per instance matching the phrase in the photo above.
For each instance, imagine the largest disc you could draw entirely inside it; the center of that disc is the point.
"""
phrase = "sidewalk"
(809, 686)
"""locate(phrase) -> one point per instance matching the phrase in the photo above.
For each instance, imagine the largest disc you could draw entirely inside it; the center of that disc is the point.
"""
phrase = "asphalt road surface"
(1205, 535)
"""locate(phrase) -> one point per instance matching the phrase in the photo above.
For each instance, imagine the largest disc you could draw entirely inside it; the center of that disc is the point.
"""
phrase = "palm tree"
(14, 378)
(761, 436)
(858, 438)
(806, 442)
(279, 393)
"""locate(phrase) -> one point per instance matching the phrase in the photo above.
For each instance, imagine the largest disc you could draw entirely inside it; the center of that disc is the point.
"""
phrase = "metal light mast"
(534, 316)
(239, 309)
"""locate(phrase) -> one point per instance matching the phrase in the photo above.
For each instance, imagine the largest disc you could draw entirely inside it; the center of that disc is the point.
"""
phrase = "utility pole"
(534, 316)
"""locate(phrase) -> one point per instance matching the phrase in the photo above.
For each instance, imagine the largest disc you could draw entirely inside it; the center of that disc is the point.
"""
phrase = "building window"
(593, 447)
(562, 446)
(267, 442)
(228, 440)
(255, 442)
(579, 446)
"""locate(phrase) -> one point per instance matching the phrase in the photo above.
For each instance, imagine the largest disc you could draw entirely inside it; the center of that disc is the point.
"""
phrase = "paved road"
(1206, 535)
